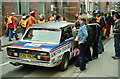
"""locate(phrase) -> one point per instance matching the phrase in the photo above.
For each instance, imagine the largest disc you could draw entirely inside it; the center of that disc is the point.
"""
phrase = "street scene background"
(104, 66)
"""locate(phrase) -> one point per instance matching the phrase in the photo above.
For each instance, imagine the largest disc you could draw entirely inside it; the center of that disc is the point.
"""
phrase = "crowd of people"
(104, 22)
(104, 25)
(11, 24)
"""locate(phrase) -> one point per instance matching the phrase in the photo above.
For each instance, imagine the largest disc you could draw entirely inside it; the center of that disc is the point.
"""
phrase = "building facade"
(67, 9)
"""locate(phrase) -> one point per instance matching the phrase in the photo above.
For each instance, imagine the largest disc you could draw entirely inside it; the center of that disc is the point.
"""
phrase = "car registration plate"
(22, 55)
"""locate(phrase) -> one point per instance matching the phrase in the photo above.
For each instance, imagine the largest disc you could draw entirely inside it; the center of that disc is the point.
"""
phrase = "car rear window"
(43, 35)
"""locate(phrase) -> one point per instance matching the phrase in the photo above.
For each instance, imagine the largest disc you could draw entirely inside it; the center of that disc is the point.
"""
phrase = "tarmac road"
(104, 66)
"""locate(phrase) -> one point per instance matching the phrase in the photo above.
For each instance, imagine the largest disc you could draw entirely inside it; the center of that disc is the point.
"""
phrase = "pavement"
(6, 42)
(104, 66)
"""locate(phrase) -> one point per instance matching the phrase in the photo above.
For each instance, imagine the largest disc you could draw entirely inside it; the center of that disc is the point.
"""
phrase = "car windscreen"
(43, 35)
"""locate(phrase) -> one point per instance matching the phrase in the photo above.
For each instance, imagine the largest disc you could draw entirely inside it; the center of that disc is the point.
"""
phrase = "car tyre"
(64, 64)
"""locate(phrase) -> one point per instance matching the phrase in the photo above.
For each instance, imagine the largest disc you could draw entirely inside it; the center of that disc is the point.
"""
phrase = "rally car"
(44, 44)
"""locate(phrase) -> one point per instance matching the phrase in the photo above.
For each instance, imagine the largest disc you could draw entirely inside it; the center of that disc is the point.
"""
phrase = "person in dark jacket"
(109, 22)
(100, 20)
(95, 37)
(116, 32)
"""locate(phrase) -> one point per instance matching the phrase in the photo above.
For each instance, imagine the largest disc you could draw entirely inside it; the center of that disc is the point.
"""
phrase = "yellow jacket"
(98, 19)
(41, 21)
(9, 20)
(23, 23)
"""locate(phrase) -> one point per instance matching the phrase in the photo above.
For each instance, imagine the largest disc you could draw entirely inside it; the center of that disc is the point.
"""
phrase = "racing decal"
(64, 47)
(30, 44)
(31, 48)
(61, 49)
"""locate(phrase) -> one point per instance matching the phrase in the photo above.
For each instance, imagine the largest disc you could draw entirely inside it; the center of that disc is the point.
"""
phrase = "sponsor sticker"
(35, 45)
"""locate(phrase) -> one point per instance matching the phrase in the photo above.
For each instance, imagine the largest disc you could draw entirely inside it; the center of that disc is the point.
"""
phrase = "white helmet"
(13, 13)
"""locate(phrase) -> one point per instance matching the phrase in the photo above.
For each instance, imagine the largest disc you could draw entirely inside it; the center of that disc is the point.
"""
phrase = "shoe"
(99, 52)
(83, 70)
(90, 59)
(79, 70)
(86, 61)
(10, 40)
(17, 38)
(77, 65)
(115, 57)
(94, 58)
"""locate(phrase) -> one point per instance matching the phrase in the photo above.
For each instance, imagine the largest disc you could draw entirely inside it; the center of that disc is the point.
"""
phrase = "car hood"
(34, 46)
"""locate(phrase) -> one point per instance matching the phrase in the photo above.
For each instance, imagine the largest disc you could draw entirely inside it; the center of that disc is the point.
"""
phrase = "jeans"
(100, 45)
(117, 45)
(81, 60)
(11, 33)
(23, 30)
(87, 52)
(95, 48)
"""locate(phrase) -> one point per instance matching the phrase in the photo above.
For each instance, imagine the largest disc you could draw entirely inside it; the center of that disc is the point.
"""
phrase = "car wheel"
(64, 64)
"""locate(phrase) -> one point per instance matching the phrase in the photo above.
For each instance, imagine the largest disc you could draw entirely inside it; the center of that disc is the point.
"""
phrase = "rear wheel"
(64, 64)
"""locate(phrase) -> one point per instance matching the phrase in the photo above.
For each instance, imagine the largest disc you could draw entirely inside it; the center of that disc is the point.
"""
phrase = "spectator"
(49, 19)
(12, 26)
(54, 17)
(116, 32)
(95, 38)
(82, 35)
(31, 20)
(23, 15)
(58, 18)
(23, 23)
(63, 19)
(108, 22)
(6, 24)
(101, 22)
(42, 19)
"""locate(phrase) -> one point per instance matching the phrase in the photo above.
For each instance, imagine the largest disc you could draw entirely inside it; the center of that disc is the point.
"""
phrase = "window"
(21, 7)
(66, 34)
(17, 9)
(65, 4)
(43, 35)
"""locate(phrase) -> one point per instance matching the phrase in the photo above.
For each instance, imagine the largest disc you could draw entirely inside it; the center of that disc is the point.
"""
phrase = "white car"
(44, 44)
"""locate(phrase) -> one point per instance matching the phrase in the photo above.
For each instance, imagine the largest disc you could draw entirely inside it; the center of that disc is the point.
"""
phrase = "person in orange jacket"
(49, 19)
(42, 19)
(6, 24)
(23, 23)
(31, 20)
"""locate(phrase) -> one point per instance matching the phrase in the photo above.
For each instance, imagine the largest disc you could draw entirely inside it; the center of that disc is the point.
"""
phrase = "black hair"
(63, 18)
(83, 19)
(27, 17)
(23, 14)
(54, 14)
(113, 12)
(117, 16)
(58, 17)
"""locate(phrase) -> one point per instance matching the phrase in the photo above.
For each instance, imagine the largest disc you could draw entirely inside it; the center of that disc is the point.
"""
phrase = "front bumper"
(32, 62)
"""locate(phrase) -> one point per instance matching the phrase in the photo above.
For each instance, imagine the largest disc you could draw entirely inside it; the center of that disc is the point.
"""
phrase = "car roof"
(51, 25)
